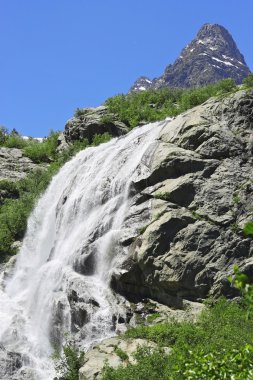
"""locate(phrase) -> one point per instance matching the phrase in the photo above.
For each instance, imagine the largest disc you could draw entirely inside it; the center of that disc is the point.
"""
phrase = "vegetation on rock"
(217, 346)
(153, 105)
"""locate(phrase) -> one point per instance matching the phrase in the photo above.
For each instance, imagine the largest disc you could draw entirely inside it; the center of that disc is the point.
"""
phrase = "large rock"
(113, 351)
(14, 165)
(187, 215)
(91, 121)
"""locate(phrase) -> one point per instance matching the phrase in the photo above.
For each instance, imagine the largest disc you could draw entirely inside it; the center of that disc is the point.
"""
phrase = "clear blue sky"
(57, 55)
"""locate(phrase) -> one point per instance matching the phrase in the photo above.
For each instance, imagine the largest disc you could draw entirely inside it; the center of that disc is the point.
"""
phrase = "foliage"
(14, 212)
(163, 196)
(80, 112)
(236, 364)
(222, 328)
(152, 317)
(44, 151)
(151, 364)
(3, 134)
(248, 228)
(121, 354)
(248, 81)
(100, 139)
(13, 140)
(108, 119)
(243, 284)
(10, 187)
(153, 105)
(69, 363)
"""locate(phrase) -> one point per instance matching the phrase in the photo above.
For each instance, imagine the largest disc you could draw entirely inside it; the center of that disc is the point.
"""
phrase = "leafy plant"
(236, 364)
(248, 228)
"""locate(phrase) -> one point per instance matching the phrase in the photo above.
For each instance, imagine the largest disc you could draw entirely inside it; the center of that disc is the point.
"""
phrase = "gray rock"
(10, 363)
(199, 190)
(14, 165)
(106, 352)
(91, 121)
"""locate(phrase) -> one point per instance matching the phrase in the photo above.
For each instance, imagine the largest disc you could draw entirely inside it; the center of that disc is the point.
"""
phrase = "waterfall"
(60, 283)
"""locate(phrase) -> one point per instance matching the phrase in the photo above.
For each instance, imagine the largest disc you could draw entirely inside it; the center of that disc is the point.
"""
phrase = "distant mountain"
(211, 56)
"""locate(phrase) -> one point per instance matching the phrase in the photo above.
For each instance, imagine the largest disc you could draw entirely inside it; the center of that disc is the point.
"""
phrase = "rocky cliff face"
(14, 165)
(210, 57)
(187, 215)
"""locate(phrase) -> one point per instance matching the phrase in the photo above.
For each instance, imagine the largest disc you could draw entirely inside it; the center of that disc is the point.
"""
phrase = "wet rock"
(10, 363)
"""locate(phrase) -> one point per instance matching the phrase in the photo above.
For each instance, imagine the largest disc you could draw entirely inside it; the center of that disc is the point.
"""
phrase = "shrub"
(248, 81)
(99, 139)
(44, 151)
(236, 364)
(15, 141)
(153, 105)
(248, 228)
(225, 86)
(199, 349)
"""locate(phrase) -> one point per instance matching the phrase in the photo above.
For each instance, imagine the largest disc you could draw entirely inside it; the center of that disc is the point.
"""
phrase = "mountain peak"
(211, 56)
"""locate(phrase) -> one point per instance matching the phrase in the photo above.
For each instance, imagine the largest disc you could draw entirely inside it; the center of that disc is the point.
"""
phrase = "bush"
(220, 335)
(44, 151)
(248, 81)
(153, 105)
(15, 141)
(225, 86)
(236, 364)
(100, 139)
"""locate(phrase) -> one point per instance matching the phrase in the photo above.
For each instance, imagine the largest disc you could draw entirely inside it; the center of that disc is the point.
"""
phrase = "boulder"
(113, 351)
(14, 165)
(91, 121)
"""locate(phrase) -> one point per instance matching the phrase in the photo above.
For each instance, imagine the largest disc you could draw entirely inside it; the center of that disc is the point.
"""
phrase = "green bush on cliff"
(153, 105)
(44, 151)
(248, 81)
(218, 344)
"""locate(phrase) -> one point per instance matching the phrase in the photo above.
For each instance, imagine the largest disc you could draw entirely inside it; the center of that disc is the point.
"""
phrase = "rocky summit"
(210, 57)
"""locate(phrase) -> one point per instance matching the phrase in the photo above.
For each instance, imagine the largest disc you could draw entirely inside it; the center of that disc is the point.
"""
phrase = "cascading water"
(60, 284)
